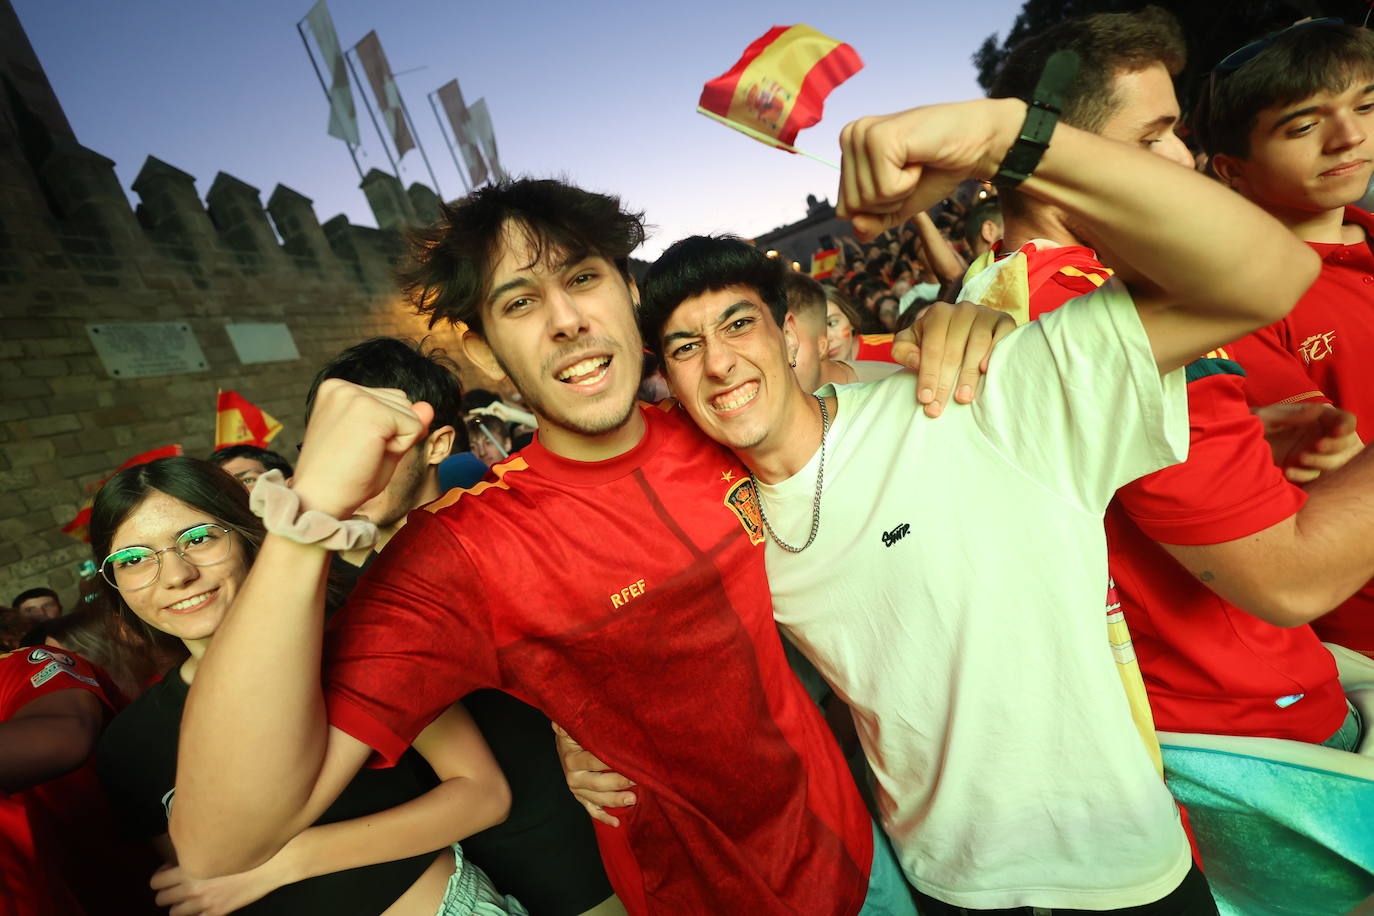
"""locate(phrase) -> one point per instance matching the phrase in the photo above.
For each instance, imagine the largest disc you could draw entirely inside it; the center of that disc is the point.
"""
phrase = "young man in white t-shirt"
(1009, 770)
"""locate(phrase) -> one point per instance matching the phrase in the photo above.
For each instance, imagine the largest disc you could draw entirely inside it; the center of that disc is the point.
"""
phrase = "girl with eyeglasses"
(175, 539)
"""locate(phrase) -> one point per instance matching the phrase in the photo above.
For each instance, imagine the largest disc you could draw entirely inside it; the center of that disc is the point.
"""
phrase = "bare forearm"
(452, 811)
(254, 734)
(1296, 571)
(944, 261)
(1336, 531)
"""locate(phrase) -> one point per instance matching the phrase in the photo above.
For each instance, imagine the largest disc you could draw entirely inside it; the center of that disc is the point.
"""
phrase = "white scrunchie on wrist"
(279, 507)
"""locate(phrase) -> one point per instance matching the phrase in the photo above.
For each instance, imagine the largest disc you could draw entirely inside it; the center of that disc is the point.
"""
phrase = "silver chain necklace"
(815, 506)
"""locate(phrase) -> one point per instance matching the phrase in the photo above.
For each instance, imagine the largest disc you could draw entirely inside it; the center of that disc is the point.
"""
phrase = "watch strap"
(1046, 105)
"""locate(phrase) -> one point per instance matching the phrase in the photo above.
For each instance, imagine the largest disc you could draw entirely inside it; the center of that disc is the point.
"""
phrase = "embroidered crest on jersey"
(744, 502)
(54, 663)
(1318, 346)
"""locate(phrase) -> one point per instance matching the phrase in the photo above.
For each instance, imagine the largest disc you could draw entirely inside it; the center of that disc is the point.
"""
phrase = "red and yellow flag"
(239, 422)
(79, 527)
(779, 86)
(823, 263)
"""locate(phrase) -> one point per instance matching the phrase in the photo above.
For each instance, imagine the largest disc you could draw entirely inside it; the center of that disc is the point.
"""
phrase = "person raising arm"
(1191, 298)
(353, 441)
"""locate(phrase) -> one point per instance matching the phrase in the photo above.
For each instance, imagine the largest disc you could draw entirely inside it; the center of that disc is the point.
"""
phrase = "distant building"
(818, 230)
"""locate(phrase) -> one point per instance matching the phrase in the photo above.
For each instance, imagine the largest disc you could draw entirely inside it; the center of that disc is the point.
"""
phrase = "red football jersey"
(60, 854)
(1320, 351)
(1208, 666)
(626, 599)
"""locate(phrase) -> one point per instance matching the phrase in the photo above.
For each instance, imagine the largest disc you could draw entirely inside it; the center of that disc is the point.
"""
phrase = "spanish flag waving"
(779, 86)
(239, 422)
(823, 263)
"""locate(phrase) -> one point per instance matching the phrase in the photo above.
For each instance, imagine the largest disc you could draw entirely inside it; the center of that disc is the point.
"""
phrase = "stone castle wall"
(74, 252)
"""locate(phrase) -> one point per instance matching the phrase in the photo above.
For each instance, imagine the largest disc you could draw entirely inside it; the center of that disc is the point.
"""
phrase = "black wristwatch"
(1046, 105)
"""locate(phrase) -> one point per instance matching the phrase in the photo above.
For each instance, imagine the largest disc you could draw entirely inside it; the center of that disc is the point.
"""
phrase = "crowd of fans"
(548, 559)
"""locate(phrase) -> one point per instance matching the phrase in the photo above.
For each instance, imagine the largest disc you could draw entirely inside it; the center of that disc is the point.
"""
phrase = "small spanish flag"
(779, 86)
(239, 422)
(823, 263)
(79, 527)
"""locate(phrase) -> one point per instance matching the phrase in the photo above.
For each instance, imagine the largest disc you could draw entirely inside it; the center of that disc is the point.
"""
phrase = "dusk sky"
(602, 93)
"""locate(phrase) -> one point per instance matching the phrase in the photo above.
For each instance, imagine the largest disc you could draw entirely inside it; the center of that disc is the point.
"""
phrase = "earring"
(793, 364)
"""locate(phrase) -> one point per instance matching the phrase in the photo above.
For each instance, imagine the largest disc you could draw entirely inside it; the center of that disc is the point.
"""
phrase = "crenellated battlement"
(75, 252)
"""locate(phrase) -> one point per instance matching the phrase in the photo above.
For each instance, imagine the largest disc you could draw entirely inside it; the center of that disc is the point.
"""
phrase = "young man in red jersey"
(1287, 122)
(1219, 562)
(610, 576)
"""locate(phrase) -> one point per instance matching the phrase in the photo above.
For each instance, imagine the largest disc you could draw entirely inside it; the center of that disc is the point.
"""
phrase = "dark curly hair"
(447, 275)
(701, 264)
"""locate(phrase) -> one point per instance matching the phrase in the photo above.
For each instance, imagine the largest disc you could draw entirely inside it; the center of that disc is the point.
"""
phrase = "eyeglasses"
(132, 568)
(1243, 55)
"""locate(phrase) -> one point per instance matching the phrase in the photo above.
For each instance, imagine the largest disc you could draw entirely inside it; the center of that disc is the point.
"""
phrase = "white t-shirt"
(954, 598)
(869, 370)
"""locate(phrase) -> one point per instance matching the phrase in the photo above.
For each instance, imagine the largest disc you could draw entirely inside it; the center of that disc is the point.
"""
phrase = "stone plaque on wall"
(269, 342)
(142, 350)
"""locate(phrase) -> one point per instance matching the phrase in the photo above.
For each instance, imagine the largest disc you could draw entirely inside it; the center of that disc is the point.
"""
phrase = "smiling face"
(185, 601)
(565, 334)
(1308, 157)
(728, 364)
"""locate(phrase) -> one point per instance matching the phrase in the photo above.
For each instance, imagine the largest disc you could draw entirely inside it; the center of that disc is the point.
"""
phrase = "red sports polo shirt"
(1324, 350)
(1208, 666)
(626, 599)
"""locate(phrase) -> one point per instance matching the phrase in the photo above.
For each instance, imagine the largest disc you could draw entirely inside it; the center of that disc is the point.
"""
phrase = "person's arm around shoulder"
(48, 737)
(258, 761)
(1157, 224)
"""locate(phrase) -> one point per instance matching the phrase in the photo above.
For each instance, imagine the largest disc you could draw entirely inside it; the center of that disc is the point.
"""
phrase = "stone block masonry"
(73, 252)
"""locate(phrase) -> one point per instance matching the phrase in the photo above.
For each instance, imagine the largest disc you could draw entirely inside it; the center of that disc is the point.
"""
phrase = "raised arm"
(944, 260)
(257, 760)
(1148, 217)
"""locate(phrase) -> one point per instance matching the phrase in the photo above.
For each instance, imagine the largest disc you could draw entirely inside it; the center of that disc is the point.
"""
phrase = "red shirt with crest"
(1320, 352)
(627, 600)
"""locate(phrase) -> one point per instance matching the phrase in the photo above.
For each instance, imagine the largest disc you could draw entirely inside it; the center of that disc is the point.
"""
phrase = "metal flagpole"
(319, 76)
(378, 127)
(415, 135)
(504, 453)
(467, 186)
